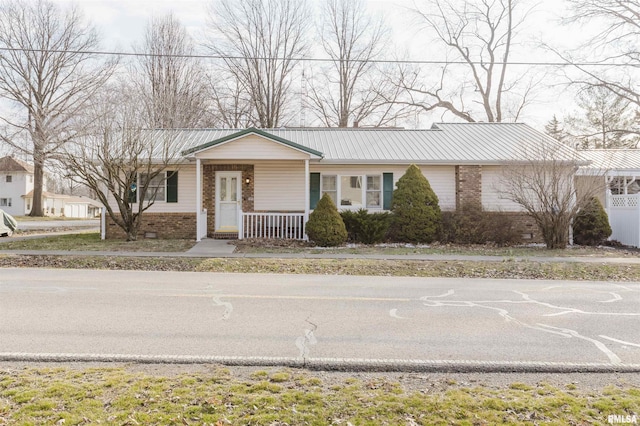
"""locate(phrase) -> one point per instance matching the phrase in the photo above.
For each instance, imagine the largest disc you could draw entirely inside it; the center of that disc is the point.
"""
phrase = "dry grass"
(407, 268)
(91, 241)
(290, 397)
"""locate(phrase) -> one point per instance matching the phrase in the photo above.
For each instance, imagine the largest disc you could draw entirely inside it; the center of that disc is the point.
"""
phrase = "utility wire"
(379, 61)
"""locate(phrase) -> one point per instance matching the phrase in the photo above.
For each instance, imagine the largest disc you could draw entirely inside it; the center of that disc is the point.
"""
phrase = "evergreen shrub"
(591, 226)
(325, 226)
(366, 228)
(416, 213)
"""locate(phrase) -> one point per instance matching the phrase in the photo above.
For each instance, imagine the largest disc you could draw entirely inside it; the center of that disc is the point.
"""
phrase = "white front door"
(228, 199)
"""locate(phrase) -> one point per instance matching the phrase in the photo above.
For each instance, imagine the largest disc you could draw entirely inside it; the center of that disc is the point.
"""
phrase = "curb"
(337, 364)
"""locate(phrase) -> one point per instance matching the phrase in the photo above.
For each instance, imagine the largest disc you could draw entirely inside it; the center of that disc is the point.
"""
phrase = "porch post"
(198, 199)
(307, 195)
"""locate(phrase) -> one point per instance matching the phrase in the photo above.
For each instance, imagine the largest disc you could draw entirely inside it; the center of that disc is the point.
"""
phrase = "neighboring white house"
(264, 182)
(16, 194)
(16, 179)
(620, 171)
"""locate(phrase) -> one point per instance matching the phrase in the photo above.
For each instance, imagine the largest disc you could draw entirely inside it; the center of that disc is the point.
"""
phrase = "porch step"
(224, 235)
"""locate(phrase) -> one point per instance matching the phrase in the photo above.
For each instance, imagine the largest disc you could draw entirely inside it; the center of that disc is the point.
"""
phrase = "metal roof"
(444, 143)
(612, 159)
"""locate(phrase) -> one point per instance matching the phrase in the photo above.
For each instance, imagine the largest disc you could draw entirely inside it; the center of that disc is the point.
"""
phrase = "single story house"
(263, 183)
(618, 171)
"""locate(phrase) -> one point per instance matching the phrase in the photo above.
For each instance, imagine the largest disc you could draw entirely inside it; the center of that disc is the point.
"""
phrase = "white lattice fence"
(624, 217)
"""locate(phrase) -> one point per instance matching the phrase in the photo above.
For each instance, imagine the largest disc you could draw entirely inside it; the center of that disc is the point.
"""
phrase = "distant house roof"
(68, 199)
(10, 164)
(444, 143)
(613, 159)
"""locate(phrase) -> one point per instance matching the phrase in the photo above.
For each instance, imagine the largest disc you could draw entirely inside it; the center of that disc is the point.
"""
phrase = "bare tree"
(172, 83)
(125, 165)
(544, 185)
(479, 38)
(352, 89)
(261, 42)
(232, 105)
(604, 120)
(48, 75)
(617, 43)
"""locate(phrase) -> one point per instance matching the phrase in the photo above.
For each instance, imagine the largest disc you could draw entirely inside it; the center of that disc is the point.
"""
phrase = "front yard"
(218, 396)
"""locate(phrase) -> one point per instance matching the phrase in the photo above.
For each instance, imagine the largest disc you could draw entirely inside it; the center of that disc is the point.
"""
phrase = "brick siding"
(164, 225)
(468, 186)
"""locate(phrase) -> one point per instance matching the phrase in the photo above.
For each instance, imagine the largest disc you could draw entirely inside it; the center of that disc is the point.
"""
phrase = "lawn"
(91, 241)
(292, 397)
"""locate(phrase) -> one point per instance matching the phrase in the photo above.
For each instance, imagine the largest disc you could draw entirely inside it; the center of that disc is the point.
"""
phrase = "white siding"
(186, 194)
(492, 185)
(279, 186)
(252, 147)
(14, 191)
(441, 178)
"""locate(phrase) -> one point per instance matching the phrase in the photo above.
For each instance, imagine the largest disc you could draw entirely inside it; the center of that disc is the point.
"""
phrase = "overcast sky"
(121, 24)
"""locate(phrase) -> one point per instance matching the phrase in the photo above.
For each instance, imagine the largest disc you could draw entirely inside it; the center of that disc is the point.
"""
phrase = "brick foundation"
(164, 225)
(525, 225)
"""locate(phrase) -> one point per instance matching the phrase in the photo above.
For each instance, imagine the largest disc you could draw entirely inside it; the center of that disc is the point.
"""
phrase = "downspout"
(307, 196)
(198, 200)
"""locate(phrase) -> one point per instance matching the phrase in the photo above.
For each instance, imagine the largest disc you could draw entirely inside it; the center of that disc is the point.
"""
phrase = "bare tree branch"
(47, 78)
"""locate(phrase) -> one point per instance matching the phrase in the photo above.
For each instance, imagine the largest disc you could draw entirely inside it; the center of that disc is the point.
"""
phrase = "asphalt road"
(261, 315)
(30, 225)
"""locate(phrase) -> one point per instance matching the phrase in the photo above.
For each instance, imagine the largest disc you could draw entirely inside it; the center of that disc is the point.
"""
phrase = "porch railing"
(289, 226)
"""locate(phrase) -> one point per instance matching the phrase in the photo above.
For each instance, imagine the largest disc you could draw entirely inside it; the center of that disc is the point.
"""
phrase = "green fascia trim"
(257, 132)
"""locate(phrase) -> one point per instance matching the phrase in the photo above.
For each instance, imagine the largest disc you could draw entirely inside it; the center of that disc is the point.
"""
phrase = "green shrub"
(364, 227)
(473, 225)
(591, 226)
(416, 214)
(325, 226)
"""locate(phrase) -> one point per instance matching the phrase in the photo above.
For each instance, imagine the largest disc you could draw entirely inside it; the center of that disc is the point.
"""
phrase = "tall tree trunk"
(38, 184)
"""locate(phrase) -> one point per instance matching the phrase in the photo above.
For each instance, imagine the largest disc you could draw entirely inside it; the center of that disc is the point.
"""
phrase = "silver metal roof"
(613, 159)
(444, 143)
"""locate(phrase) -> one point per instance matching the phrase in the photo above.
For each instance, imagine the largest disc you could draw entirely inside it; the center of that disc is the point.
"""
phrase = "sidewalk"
(210, 248)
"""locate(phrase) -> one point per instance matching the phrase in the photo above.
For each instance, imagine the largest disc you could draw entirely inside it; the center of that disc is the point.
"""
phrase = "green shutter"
(133, 192)
(172, 187)
(314, 189)
(387, 190)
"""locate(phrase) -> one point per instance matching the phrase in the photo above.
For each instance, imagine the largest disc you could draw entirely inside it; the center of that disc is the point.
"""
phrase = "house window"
(5, 202)
(330, 187)
(9, 178)
(374, 191)
(349, 191)
(156, 188)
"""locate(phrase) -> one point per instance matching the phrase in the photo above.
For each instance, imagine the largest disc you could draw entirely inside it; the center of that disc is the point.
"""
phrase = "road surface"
(309, 316)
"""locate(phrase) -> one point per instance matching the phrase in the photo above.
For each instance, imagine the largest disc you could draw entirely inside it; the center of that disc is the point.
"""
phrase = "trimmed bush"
(473, 225)
(416, 213)
(325, 226)
(591, 226)
(364, 227)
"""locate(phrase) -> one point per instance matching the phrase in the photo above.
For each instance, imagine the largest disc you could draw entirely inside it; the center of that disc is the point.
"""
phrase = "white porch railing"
(289, 226)
(202, 225)
(624, 217)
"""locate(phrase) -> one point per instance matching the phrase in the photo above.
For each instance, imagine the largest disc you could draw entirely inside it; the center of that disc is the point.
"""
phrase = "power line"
(378, 61)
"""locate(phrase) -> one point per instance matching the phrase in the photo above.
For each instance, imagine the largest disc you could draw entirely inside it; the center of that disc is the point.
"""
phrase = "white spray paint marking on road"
(620, 341)
(615, 298)
(612, 357)
(308, 339)
(393, 313)
(228, 307)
